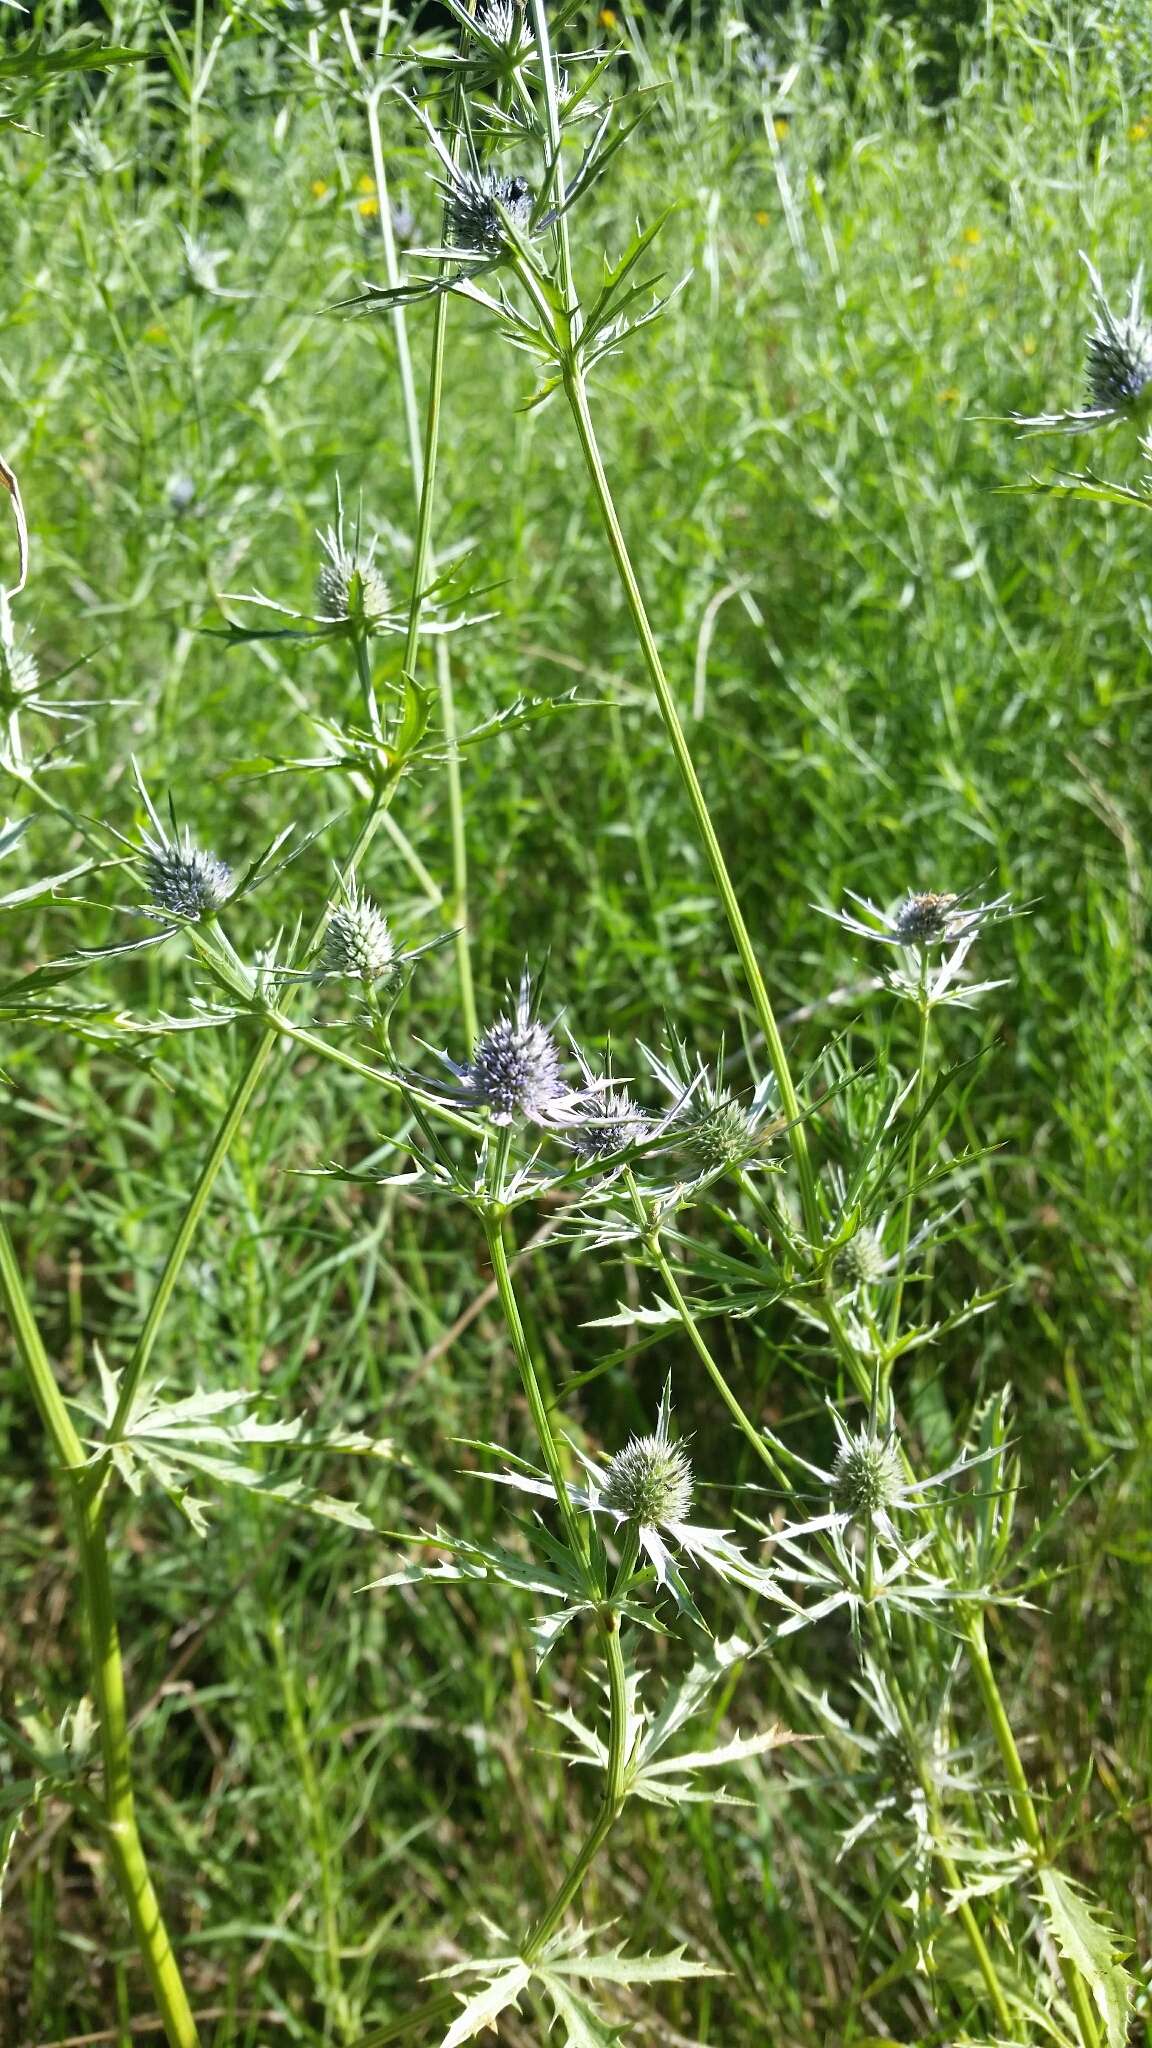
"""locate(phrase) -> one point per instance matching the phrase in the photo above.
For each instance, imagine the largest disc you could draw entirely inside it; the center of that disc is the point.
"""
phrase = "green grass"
(892, 675)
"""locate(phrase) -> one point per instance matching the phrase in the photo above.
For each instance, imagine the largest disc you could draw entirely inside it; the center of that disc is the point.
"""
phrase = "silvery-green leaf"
(483, 2010)
(583, 2026)
(1083, 1936)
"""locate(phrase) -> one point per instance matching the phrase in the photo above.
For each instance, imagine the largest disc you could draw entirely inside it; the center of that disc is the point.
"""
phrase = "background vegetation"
(894, 676)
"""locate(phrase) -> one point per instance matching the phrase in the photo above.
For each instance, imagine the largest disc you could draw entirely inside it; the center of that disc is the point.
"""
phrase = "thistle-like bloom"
(515, 1071)
(862, 1261)
(718, 1130)
(925, 918)
(868, 1484)
(649, 1482)
(502, 22)
(617, 1125)
(183, 880)
(867, 1475)
(647, 1489)
(202, 263)
(1119, 366)
(358, 943)
(480, 203)
(349, 585)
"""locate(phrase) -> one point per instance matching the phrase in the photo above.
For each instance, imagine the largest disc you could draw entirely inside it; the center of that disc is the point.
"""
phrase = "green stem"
(577, 396)
(573, 1528)
(1023, 1805)
(612, 1798)
(422, 460)
(951, 1874)
(607, 1617)
(743, 1422)
(206, 1179)
(913, 1147)
(107, 1670)
(789, 1101)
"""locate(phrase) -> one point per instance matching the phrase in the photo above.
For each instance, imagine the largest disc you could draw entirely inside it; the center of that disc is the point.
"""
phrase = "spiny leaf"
(583, 2027)
(1085, 1939)
(484, 2009)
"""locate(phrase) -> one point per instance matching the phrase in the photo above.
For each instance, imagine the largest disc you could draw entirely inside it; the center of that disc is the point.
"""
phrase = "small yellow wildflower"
(319, 188)
(365, 183)
(157, 332)
(973, 237)
(607, 18)
(763, 219)
(780, 127)
(949, 395)
(369, 208)
(1138, 131)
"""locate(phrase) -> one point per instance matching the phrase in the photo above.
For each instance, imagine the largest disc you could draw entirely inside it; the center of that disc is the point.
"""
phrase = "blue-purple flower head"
(516, 1073)
(183, 880)
(480, 206)
(925, 917)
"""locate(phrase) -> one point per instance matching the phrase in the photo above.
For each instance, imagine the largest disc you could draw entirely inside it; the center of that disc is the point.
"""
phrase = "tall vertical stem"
(577, 396)
(1023, 1805)
(107, 1670)
(612, 1797)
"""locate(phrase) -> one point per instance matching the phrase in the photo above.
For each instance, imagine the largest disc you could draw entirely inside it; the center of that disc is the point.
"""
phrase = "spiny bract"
(19, 670)
(649, 1482)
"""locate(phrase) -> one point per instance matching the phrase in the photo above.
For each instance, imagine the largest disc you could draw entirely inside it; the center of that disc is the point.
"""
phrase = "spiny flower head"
(349, 585)
(515, 1069)
(1119, 352)
(861, 1262)
(183, 880)
(358, 942)
(1119, 366)
(719, 1132)
(500, 21)
(619, 1123)
(924, 916)
(867, 1475)
(475, 201)
(649, 1482)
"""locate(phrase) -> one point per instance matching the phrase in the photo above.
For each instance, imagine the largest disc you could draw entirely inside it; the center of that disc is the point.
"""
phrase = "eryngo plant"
(608, 1541)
